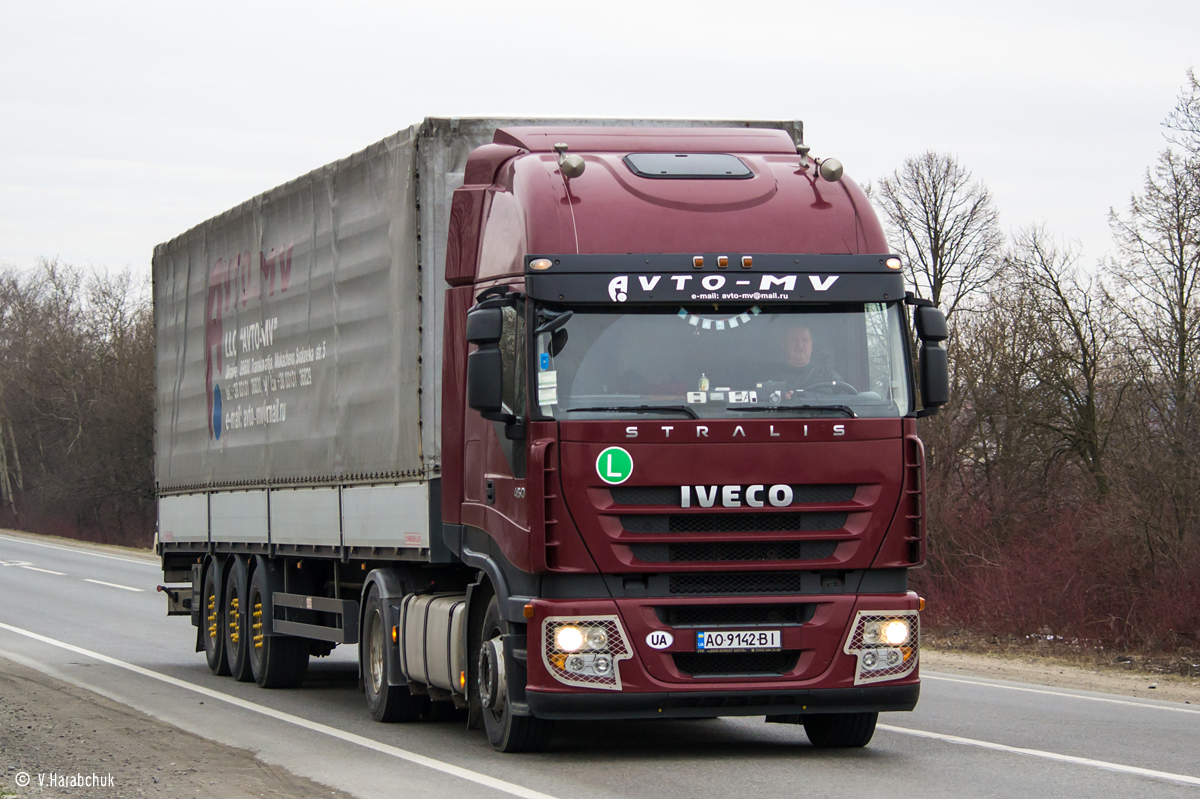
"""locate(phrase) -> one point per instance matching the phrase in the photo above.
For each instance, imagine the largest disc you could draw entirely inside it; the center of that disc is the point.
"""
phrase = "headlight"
(884, 643)
(585, 650)
(569, 639)
(895, 632)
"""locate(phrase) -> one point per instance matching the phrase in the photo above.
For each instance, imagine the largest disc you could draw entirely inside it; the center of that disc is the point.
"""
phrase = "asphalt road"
(94, 619)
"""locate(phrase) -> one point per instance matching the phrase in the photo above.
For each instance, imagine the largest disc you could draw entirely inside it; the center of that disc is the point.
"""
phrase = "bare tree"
(1184, 119)
(945, 225)
(1079, 378)
(1157, 274)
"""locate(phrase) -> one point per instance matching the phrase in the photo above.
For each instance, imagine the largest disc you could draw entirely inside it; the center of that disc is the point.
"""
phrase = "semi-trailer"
(553, 420)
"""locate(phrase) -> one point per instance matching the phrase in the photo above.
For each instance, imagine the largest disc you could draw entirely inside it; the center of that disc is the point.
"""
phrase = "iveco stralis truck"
(553, 420)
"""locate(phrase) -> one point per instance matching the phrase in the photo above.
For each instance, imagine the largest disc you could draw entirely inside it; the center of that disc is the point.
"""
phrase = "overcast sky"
(122, 124)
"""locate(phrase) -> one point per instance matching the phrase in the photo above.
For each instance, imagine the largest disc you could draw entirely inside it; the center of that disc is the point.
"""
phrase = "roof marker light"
(892, 263)
(698, 261)
(541, 264)
(747, 262)
(722, 261)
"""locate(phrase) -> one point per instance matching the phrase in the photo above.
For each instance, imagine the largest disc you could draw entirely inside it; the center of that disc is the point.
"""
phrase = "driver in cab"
(800, 371)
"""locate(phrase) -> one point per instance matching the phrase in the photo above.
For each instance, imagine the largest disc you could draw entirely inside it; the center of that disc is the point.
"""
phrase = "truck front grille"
(698, 616)
(734, 551)
(671, 495)
(733, 522)
(736, 664)
(736, 583)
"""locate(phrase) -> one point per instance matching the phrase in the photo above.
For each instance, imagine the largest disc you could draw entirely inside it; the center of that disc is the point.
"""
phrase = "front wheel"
(507, 733)
(840, 730)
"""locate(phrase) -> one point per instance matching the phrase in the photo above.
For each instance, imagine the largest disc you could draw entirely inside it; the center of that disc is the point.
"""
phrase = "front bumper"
(701, 704)
(655, 682)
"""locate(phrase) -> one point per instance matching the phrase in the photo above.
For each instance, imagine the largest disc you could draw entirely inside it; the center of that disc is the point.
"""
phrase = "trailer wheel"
(236, 628)
(387, 703)
(276, 661)
(213, 621)
(507, 733)
(840, 730)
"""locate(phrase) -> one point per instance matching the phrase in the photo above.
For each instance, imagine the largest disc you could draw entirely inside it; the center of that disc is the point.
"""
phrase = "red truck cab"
(679, 433)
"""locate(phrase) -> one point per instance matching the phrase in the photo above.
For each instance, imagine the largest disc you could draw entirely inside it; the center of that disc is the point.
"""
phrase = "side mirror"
(935, 378)
(931, 324)
(485, 366)
(485, 325)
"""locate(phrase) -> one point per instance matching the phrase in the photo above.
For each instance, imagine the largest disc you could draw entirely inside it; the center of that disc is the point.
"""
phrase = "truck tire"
(212, 620)
(276, 661)
(506, 732)
(236, 628)
(840, 730)
(387, 703)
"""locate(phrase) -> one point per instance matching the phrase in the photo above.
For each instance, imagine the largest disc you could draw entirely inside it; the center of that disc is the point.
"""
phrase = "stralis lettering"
(755, 496)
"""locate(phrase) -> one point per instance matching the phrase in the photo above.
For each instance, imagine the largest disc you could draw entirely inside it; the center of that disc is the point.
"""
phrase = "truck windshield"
(724, 362)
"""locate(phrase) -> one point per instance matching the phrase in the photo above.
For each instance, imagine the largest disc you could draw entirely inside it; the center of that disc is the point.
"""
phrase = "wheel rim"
(256, 624)
(376, 653)
(492, 693)
(211, 607)
(235, 619)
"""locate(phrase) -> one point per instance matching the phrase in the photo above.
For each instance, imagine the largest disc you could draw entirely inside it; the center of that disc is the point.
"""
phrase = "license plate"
(738, 640)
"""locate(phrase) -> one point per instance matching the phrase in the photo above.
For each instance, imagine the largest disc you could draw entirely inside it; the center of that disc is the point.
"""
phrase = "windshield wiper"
(641, 409)
(846, 409)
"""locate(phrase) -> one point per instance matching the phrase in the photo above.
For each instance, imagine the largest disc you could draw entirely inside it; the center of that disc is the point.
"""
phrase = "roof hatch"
(688, 166)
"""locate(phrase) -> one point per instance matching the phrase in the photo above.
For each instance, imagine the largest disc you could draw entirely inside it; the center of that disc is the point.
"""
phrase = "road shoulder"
(50, 727)
(1048, 672)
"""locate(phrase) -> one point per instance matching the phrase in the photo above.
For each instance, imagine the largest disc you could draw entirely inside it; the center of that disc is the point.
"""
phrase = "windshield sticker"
(548, 396)
(697, 396)
(544, 361)
(729, 323)
(548, 380)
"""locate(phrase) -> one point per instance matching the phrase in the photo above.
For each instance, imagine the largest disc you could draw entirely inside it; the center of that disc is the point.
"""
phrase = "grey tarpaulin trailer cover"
(299, 350)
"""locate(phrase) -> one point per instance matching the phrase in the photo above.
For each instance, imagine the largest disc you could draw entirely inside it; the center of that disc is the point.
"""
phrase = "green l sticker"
(614, 465)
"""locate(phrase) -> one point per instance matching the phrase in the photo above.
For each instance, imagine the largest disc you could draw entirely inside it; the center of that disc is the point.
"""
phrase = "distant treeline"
(76, 404)
(1064, 477)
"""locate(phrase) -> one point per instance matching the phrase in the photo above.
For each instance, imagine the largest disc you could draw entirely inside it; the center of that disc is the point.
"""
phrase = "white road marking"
(112, 585)
(1048, 692)
(80, 551)
(1016, 750)
(349, 737)
(43, 571)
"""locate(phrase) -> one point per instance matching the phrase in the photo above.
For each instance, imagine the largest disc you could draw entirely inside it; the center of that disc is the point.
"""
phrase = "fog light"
(569, 639)
(576, 663)
(869, 660)
(603, 664)
(893, 657)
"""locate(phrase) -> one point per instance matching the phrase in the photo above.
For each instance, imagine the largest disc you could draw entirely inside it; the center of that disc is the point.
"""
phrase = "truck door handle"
(491, 492)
